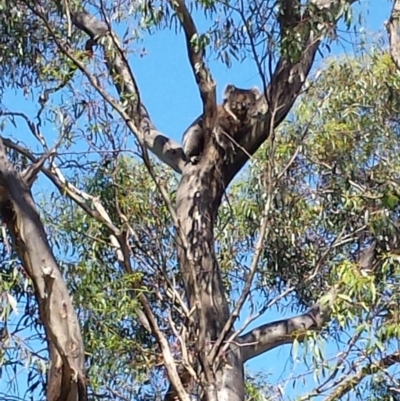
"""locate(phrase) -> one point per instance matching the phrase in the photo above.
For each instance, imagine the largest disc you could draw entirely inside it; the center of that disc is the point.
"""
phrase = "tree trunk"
(230, 375)
(198, 199)
(66, 376)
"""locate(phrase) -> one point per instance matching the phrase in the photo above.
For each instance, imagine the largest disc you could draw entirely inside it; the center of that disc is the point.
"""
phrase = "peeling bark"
(66, 377)
(198, 198)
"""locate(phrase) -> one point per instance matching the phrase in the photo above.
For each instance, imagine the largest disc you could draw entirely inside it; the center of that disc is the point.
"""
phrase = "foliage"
(340, 194)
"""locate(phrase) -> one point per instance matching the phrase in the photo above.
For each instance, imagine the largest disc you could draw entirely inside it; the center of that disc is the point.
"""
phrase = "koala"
(231, 116)
(237, 108)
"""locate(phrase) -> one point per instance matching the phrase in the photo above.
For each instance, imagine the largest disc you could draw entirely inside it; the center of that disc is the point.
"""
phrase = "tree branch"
(272, 335)
(203, 76)
(288, 78)
(118, 240)
(167, 150)
(169, 361)
(370, 369)
(90, 205)
(249, 280)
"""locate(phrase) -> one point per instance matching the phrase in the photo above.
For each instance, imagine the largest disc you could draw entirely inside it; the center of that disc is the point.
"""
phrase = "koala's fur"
(231, 116)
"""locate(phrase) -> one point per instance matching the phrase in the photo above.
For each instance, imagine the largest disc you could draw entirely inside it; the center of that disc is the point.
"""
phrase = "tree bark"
(198, 199)
(66, 377)
(393, 33)
(274, 334)
(167, 150)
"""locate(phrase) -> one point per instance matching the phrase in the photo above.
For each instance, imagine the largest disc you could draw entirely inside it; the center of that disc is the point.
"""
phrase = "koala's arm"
(193, 142)
(226, 101)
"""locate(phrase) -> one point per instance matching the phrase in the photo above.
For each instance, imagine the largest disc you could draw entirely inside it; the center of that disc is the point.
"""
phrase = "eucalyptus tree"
(137, 224)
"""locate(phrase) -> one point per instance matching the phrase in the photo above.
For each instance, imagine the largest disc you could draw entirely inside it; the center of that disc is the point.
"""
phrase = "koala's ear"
(256, 92)
(228, 90)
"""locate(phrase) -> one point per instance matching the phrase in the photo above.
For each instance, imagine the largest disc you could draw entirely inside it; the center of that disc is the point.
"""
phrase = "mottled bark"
(393, 27)
(198, 198)
(66, 377)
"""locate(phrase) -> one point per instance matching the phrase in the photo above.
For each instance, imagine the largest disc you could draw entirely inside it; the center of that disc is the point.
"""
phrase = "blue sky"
(169, 92)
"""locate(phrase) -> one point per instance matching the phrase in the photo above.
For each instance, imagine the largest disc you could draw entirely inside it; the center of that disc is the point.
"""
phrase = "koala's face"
(241, 100)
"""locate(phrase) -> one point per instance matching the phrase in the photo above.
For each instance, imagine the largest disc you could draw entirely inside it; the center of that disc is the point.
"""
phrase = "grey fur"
(193, 141)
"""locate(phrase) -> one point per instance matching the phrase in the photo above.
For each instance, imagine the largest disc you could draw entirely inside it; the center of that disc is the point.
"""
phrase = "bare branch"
(91, 205)
(166, 352)
(288, 77)
(329, 380)
(370, 369)
(249, 280)
(272, 335)
(31, 172)
(118, 240)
